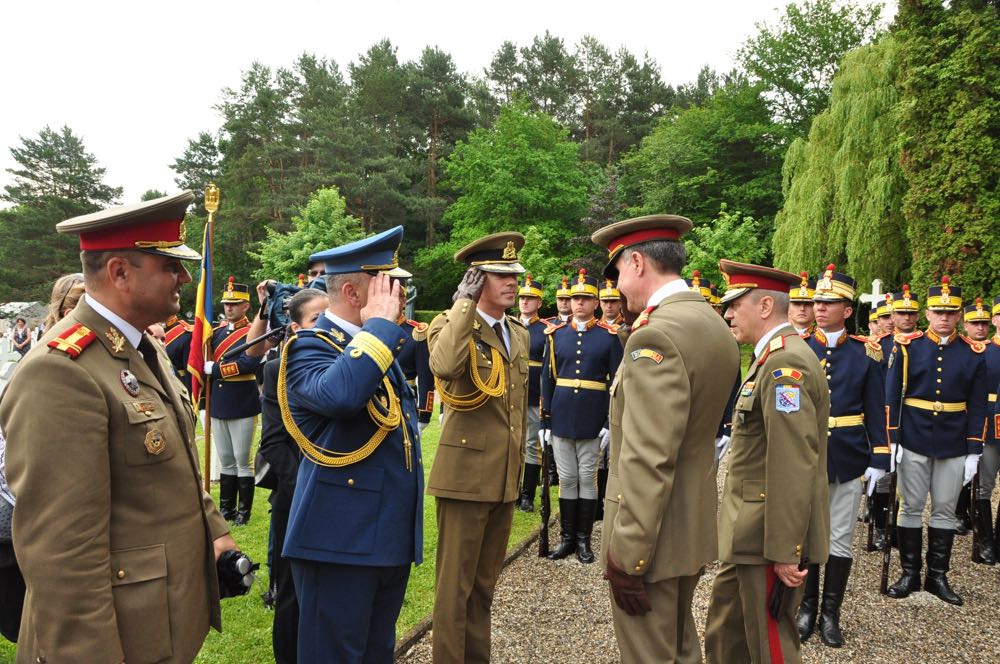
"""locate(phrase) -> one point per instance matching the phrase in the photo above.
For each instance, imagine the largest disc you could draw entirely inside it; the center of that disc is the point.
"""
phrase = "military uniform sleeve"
(56, 423)
(977, 408)
(243, 364)
(448, 340)
(793, 451)
(425, 381)
(548, 374)
(651, 439)
(895, 380)
(875, 422)
(343, 387)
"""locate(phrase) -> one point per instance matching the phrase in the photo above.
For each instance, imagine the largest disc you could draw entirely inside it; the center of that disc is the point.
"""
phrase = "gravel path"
(560, 612)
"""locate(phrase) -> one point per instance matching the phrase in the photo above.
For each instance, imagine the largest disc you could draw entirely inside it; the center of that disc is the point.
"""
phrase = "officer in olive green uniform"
(667, 398)
(775, 512)
(479, 357)
(114, 534)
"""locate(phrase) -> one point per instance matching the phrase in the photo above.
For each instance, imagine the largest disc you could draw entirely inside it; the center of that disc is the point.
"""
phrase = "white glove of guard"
(971, 465)
(873, 475)
(605, 437)
(895, 454)
(721, 447)
(209, 365)
(545, 437)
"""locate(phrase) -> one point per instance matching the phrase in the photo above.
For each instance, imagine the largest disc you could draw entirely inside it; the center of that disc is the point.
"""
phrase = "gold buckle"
(833, 423)
(938, 407)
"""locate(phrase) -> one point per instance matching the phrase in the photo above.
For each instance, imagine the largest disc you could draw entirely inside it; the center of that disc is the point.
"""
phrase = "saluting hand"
(471, 285)
(383, 299)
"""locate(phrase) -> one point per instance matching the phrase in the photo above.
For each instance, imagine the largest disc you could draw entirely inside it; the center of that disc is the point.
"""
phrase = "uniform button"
(402, 340)
(350, 482)
(579, 343)
(642, 562)
(619, 497)
(407, 416)
(638, 569)
(512, 428)
(939, 380)
(798, 548)
(578, 361)
(576, 391)
(121, 574)
(463, 441)
(828, 352)
(939, 369)
(937, 391)
(578, 352)
(939, 359)
(828, 376)
(420, 462)
(578, 371)
(935, 414)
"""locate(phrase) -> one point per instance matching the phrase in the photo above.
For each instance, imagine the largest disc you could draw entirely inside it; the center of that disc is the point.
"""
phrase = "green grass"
(247, 624)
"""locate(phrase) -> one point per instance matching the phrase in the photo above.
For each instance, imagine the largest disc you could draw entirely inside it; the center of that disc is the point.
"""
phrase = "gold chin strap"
(386, 417)
(493, 386)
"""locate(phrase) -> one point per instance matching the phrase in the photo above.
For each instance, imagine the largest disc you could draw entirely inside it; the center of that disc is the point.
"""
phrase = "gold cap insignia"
(509, 252)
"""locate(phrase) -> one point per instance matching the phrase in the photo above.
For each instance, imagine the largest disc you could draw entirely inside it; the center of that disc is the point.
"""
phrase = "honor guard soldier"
(884, 332)
(800, 305)
(356, 521)
(856, 443)
(178, 344)
(581, 357)
(936, 396)
(774, 515)
(115, 537)
(414, 358)
(666, 402)
(715, 299)
(977, 327)
(564, 305)
(235, 404)
(700, 286)
(873, 327)
(611, 303)
(479, 356)
(905, 311)
(529, 300)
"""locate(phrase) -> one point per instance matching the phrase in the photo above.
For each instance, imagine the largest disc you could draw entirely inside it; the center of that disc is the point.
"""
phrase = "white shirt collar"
(759, 348)
(672, 287)
(833, 337)
(491, 321)
(133, 335)
(346, 326)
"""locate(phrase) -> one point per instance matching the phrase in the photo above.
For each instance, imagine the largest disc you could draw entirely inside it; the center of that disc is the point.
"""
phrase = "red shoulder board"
(420, 327)
(643, 318)
(905, 339)
(777, 343)
(611, 328)
(977, 346)
(552, 327)
(74, 340)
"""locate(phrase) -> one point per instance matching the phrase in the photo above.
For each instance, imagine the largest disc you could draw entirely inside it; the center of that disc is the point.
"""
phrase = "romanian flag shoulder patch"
(791, 374)
(646, 352)
(74, 340)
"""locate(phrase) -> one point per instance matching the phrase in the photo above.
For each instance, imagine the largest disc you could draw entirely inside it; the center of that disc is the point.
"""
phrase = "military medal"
(130, 382)
(154, 442)
(116, 339)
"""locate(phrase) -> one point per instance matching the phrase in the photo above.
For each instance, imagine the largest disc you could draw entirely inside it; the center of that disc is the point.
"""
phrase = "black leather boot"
(910, 541)
(806, 619)
(985, 550)
(526, 503)
(246, 487)
(227, 496)
(602, 488)
(939, 541)
(567, 522)
(838, 570)
(879, 516)
(962, 510)
(586, 509)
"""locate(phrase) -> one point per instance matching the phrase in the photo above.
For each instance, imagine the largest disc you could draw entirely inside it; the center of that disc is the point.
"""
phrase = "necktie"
(149, 354)
(499, 330)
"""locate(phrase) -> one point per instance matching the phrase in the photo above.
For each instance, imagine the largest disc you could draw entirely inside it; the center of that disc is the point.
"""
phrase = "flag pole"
(211, 206)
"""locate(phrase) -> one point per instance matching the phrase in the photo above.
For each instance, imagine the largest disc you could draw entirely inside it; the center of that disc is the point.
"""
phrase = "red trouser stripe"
(773, 638)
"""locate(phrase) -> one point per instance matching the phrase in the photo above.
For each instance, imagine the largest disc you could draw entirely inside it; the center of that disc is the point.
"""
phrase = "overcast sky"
(136, 80)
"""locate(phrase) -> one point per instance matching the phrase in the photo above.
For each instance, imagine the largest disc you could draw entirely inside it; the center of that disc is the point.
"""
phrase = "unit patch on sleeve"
(646, 352)
(786, 398)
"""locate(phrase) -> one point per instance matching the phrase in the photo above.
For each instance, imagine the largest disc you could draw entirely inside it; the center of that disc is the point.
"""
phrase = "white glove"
(605, 437)
(971, 465)
(873, 475)
(545, 437)
(721, 447)
(209, 365)
(895, 454)
(421, 426)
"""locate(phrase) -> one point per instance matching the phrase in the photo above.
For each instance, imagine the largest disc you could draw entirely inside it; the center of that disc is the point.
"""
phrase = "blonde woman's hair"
(66, 293)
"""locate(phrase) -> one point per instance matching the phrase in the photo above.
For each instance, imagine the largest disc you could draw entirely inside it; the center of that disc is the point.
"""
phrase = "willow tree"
(950, 67)
(844, 186)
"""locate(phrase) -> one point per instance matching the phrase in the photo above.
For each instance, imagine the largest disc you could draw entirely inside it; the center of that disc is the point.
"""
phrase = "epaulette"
(516, 321)
(905, 339)
(553, 327)
(643, 318)
(872, 347)
(977, 346)
(610, 327)
(419, 332)
(74, 340)
(776, 344)
(327, 336)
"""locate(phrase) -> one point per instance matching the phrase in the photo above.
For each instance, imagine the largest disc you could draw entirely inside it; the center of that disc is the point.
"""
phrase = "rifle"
(890, 528)
(869, 517)
(546, 508)
(976, 558)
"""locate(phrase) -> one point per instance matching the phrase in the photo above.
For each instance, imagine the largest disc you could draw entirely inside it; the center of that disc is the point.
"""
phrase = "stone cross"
(872, 299)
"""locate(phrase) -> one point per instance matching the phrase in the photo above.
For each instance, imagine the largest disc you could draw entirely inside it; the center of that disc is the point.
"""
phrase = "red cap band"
(756, 281)
(637, 237)
(151, 234)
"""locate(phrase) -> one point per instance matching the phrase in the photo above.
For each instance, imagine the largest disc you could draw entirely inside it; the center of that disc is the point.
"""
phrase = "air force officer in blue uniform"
(356, 519)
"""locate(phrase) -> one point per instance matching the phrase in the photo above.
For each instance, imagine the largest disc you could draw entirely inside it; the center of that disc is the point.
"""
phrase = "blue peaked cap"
(378, 253)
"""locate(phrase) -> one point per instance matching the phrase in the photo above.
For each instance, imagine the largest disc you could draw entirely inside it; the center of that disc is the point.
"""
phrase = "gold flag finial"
(211, 199)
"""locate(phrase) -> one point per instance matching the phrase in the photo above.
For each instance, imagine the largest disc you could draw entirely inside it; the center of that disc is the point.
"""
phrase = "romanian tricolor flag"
(201, 333)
